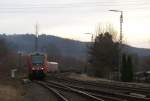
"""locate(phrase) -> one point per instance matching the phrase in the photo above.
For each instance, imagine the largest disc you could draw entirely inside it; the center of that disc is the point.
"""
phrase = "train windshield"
(37, 59)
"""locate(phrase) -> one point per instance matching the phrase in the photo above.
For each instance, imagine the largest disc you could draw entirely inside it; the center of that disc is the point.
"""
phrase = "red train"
(37, 65)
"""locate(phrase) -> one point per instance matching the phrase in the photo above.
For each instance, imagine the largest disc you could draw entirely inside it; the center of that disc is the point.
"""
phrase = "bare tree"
(102, 28)
(104, 52)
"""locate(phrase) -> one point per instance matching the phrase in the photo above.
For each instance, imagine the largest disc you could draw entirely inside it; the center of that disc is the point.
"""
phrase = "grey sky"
(73, 18)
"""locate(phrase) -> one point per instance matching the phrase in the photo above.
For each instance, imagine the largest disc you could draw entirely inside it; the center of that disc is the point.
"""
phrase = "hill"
(59, 46)
(141, 52)
(47, 43)
(69, 53)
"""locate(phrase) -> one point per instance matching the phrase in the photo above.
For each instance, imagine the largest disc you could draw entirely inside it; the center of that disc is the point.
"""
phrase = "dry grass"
(83, 77)
(8, 93)
(11, 90)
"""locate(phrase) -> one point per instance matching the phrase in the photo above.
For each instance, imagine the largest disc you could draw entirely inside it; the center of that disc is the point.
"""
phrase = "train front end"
(37, 64)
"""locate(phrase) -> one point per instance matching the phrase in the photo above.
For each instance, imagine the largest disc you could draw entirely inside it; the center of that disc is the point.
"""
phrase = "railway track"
(93, 95)
(116, 83)
(57, 89)
(60, 97)
(126, 89)
(103, 93)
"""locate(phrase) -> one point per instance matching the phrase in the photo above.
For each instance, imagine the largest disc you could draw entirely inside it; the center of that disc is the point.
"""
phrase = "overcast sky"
(73, 18)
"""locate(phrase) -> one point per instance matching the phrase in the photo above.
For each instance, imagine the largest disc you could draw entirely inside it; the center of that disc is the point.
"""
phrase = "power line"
(76, 3)
(32, 7)
(76, 6)
(102, 3)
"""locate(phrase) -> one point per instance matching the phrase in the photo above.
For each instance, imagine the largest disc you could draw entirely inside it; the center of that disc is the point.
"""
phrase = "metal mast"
(36, 37)
(120, 42)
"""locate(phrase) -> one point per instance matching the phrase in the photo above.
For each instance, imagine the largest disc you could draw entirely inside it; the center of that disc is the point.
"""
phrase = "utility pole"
(120, 45)
(86, 68)
(120, 42)
(121, 21)
(36, 37)
(19, 60)
(92, 37)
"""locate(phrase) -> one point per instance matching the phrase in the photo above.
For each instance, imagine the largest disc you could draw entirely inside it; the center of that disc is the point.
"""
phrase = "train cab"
(37, 65)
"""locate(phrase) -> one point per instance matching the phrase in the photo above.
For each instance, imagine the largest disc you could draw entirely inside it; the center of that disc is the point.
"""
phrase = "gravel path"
(35, 92)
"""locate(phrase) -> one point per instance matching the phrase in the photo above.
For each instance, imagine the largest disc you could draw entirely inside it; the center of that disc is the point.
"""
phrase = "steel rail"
(60, 86)
(124, 96)
(56, 92)
(110, 86)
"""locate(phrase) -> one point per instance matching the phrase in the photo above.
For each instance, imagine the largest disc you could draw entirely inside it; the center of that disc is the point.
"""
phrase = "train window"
(37, 59)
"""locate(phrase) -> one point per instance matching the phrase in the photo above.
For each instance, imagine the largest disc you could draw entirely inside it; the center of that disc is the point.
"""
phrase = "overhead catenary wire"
(20, 6)
(71, 5)
(39, 6)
